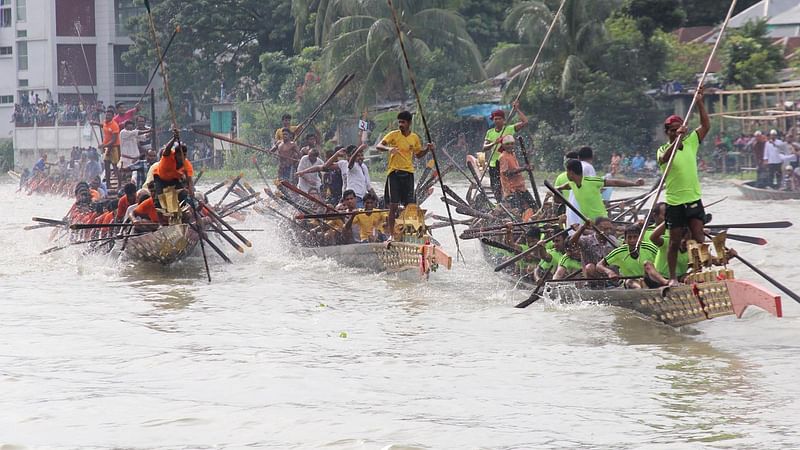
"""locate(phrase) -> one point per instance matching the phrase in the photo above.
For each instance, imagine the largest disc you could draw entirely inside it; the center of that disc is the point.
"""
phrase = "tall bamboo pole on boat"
(424, 122)
(528, 75)
(199, 227)
(700, 83)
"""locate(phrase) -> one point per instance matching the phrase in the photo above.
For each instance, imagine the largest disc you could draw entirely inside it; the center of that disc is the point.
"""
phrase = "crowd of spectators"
(32, 109)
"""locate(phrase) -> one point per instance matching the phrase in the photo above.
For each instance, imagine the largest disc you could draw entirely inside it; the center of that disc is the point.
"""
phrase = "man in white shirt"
(774, 159)
(309, 180)
(355, 174)
(585, 155)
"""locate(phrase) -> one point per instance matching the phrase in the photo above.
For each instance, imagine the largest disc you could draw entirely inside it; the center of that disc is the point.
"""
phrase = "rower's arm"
(523, 119)
(563, 187)
(603, 266)
(624, 183)
(657, 236)
(705, 121)
(576, 236)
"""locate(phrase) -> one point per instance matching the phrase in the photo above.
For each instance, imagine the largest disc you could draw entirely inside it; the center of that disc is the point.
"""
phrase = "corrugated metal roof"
(790, 17)
(762, 9)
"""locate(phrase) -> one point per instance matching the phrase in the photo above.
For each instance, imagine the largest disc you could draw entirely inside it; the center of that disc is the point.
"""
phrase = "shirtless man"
(288, 154)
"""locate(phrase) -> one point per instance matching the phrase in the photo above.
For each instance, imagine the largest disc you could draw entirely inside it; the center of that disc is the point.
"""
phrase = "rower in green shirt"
(628, 265)
(492, 141)
(685, 210)
(587, 190)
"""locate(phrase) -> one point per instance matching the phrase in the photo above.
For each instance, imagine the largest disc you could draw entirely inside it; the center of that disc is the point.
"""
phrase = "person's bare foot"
(673, 282)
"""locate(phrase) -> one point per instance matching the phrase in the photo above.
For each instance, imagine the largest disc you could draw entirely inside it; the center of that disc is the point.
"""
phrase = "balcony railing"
(129, 79)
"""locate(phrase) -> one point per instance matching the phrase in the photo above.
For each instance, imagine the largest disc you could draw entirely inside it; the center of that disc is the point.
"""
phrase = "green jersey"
(682, 185)
(589, 197)
(661, 260)
(492, 136)
(628, 266)
(570, 264)
(556, 257)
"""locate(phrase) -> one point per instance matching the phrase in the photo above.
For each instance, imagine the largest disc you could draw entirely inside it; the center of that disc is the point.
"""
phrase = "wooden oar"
(199, 175)
(227, 238)
(224, 138)
(308, 197)
(500, 245)
(527, 252)
(436, 225)
(50, 221)
(778, 224)
(774, 282)
(337, 214)
(307, 121)
(230, 188)
(537, 291)
(232, 211)
(261, 172)
(92, 226)
(716, 202)
(88, 241)
(744, 238)
(225, 224)
(515, 225)
(216, 187)
(238, 202)
(41, 225)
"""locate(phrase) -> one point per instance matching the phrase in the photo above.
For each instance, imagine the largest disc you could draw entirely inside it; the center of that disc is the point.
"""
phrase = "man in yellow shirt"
(403, 146)
(370, 224)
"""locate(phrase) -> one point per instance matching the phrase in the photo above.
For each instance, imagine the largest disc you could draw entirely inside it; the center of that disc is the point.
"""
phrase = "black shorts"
(678, 216)
(399, 188)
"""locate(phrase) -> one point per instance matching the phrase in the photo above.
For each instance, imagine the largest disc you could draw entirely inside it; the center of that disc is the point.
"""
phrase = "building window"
(126, 74)
(22, 55)
(5, 13)
(76, 66)
(6, 99)
(6, 50)
(125, 9)
(22, 33)
(21, 10)
(72, 12)
(22, 83)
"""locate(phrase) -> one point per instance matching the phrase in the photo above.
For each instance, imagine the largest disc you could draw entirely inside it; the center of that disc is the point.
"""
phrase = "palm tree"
(359, 36)
(578, 32)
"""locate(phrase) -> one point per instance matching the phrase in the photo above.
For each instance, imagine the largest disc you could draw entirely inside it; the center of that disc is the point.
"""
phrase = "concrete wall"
(31, 143)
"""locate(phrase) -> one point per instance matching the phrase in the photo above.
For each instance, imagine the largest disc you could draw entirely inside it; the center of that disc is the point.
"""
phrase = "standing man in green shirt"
(587, 189)
(492, 142)
(685, 210)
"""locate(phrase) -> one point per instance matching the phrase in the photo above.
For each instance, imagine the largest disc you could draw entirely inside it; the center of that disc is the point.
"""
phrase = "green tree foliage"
(577, 35)
(359, 36)
(684, 60)
(220, 41)
(652, 15)
(485, 21)
(748, 58)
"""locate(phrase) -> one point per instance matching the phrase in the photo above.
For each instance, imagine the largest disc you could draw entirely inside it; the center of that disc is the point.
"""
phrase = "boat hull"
(750, 192)
(164, 246)
(395, 257)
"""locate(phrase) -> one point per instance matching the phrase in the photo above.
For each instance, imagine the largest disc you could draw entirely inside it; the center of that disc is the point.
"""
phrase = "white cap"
(508, 139)
(757, 133)
(771, 132)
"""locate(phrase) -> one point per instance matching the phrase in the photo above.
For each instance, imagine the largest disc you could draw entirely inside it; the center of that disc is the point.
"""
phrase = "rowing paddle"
(537, 291)
(743, 238)
(89, 241)
(91, 226)
(527, 252)
(225, 224)
(337, 214)
(227, 238)
(775, 282)
(777, 224)
(50, 221)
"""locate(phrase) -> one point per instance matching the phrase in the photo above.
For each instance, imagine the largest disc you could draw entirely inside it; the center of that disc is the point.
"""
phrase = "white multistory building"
(47, 48)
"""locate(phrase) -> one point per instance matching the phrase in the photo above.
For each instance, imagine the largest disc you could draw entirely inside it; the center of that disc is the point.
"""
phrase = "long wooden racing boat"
(707, 295)
(679, 305)
(390, 257)
(750, 192)
(165, 246)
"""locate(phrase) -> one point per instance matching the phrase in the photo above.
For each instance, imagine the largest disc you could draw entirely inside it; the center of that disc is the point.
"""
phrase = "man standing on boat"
(587, 189)
(685, 210)
(493, 140)
(402, 145)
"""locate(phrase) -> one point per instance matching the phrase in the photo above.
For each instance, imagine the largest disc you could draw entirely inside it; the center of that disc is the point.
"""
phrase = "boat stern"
(744, 294)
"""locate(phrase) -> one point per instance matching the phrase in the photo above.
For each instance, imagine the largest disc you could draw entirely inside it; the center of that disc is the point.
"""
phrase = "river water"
(285, 352)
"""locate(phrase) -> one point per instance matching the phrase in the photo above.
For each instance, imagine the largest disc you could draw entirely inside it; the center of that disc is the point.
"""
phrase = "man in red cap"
(682, 185)
(493, 140)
